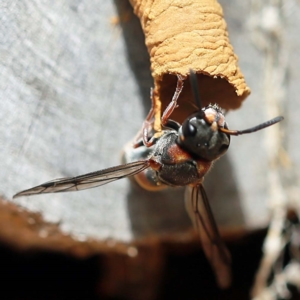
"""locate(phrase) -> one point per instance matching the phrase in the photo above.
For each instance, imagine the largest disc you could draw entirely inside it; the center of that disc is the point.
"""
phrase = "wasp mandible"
(178, 155)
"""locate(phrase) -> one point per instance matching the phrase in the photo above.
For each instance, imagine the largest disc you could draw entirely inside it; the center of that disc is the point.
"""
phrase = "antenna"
(252, 129)
(195, 89)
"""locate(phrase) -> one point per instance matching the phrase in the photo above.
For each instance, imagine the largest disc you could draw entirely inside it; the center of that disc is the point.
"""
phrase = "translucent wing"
(86, 181)
(215, 250)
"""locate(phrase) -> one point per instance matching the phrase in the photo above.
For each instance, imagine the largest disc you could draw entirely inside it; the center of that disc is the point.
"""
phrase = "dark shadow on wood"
(155, 213)
(47, 275)
(137, 53)
(223, 192)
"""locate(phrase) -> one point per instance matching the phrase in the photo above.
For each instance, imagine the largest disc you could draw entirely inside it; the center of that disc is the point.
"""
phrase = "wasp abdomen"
(179, 174)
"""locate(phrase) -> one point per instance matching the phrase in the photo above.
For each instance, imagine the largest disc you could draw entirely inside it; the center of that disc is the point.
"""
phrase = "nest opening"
(212, 90)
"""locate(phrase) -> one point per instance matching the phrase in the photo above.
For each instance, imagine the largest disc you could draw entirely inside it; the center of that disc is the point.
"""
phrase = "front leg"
(143, 137)
(173, 104)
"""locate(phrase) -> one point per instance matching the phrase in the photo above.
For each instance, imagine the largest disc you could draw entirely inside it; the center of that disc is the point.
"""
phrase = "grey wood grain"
(74, 90)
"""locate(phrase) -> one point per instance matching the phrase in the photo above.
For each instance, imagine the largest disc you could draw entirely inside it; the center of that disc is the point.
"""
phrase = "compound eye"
(189, 130)
(223, 148)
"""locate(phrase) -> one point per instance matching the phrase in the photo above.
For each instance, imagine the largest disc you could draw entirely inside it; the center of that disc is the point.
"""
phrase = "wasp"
(178, 155)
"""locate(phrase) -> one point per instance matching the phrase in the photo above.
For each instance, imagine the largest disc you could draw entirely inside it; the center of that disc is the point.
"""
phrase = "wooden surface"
(75, 86)
(74, 90)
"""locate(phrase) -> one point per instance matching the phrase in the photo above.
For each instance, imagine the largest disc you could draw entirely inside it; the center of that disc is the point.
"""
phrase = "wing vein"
(86, 181)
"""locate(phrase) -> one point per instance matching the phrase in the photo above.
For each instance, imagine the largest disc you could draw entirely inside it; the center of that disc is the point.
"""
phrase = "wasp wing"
(199, 210)
(87, 181)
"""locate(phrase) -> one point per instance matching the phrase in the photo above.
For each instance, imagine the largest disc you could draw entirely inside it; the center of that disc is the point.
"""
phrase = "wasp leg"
(142, 138)
(173, 104)
(147, 179)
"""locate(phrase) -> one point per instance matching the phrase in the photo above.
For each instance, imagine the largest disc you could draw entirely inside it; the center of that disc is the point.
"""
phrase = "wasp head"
(200, 134)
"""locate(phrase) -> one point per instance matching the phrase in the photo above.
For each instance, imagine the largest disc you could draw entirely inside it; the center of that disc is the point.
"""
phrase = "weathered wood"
(75, 93)
(75, 88)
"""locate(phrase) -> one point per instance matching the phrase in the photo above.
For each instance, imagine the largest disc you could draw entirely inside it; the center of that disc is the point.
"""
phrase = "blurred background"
(75, 83)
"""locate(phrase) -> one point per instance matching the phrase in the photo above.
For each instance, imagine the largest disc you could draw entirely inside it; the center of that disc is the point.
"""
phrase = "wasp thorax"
(200, 134)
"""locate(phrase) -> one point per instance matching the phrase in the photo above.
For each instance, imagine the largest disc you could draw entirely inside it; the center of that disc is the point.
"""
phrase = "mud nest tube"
(190, 34)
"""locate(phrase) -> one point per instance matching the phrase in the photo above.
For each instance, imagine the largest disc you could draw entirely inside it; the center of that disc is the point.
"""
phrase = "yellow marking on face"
(214, 126)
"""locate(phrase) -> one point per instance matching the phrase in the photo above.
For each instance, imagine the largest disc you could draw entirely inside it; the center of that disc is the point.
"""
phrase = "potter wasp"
(178, 155)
